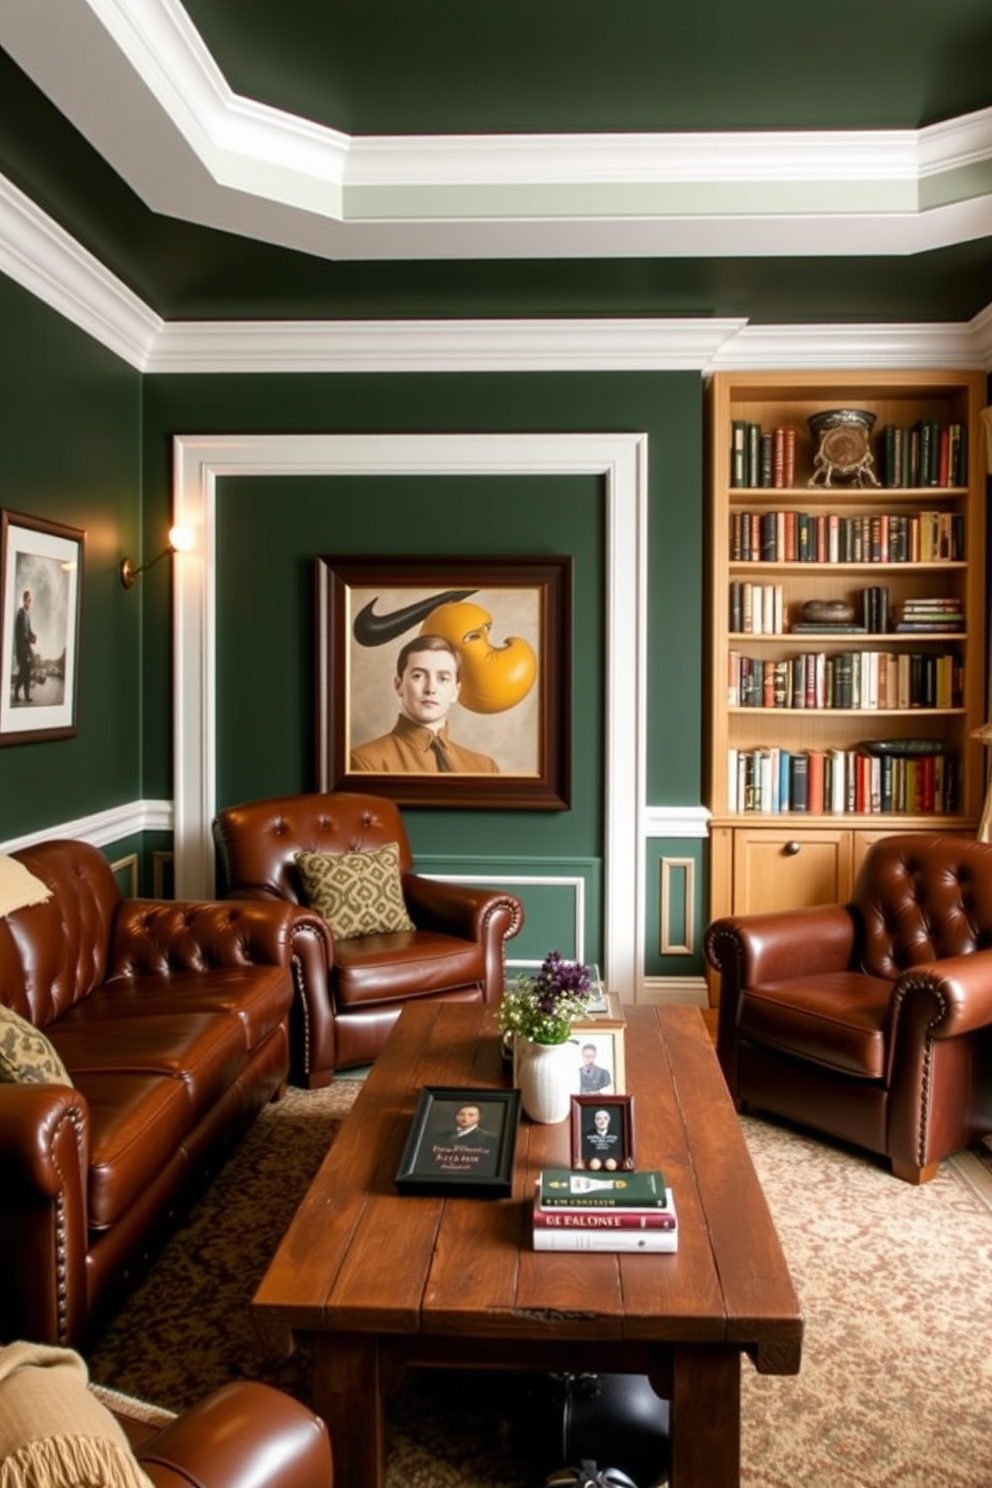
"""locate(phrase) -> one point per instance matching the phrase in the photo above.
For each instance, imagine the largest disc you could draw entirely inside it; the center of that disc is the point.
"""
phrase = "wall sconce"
(180, 541)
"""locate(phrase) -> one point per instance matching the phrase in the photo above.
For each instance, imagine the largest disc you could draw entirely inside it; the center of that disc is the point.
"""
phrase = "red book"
(602, 1219)
(815, 775)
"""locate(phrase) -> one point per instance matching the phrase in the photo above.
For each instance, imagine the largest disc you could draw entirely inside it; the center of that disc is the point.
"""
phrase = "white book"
(648, 1242)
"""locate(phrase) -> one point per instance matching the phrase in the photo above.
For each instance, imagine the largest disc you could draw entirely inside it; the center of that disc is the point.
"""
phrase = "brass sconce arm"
(180, 541)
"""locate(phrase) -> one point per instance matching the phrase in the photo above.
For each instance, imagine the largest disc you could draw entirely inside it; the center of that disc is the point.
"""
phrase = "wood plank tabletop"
(361, 1258)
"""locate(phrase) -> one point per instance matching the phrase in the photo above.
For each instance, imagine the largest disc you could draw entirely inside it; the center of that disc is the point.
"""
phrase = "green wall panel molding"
(562, 900)
(273, 549)
(675, 907)
(70, 452)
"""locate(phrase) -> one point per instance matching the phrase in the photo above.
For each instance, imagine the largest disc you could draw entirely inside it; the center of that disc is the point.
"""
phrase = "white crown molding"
(37, 254)
(137, 80)
(440, 346)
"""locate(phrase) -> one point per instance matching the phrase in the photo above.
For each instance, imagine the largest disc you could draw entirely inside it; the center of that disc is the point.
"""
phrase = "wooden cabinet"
(873, 722)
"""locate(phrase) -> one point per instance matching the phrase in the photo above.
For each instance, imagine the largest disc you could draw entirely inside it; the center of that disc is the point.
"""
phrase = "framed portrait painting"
(446, 681)
(461, 1140)
(603, 1133)
(41, 566)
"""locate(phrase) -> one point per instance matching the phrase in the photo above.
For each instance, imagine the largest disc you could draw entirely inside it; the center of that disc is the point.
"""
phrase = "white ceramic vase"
(546, 1076)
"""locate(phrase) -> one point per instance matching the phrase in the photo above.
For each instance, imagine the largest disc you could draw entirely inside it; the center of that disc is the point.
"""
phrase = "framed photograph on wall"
(446, 681)
(462, 1140)
(41, 569)
(603, 1133)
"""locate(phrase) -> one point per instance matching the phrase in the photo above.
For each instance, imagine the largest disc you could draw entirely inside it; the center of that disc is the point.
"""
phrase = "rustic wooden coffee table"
(379, 1281)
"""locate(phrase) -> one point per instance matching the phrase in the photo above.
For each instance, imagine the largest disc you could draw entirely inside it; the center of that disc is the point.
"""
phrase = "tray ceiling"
(234, 159)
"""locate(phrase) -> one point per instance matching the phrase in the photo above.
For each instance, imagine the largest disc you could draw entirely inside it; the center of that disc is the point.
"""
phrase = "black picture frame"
(606, 1150)
(39, 651)
(435, 1161)
(512, 621)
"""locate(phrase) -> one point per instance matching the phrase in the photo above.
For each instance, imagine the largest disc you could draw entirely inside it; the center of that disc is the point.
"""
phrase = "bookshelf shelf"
(762, 858)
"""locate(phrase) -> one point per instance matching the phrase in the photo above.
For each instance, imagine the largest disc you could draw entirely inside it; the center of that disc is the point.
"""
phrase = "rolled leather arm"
(460, 909)
(157, 936)
(479, 914)
(947, 997)
(44, 1160)
(244, 1435)
(746, 949)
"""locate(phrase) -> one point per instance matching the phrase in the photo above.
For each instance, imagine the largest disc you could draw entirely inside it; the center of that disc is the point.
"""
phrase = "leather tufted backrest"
(259, 840)
(921, 898)
(54, 954)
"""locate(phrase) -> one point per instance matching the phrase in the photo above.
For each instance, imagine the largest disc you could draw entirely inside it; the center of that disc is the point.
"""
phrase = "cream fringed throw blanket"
(18, 887)
(53, 1432)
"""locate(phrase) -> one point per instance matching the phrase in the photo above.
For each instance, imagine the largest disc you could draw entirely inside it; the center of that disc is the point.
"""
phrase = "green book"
(561, 1188)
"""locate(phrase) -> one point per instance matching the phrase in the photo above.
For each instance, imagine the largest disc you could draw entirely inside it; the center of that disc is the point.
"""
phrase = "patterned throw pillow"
(26, 1056)
(357, 893)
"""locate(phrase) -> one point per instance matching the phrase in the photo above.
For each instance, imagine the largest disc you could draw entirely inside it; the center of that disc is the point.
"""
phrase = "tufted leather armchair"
(349, 1000)
(871, 1021)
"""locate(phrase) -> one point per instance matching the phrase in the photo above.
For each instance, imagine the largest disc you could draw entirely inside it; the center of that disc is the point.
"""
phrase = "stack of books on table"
(624, 1212)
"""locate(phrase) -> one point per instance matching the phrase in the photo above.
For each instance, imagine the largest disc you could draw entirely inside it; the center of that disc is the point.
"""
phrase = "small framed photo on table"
(603, 1133)
(599, 1042)
(462, 1141)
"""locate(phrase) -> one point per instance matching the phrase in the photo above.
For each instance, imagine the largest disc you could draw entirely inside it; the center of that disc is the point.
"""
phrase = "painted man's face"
(428, 687)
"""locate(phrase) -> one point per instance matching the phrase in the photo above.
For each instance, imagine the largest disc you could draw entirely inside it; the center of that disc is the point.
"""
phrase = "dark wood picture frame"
(475, 1162)
(611, 1151)
(39, 648)
(516, 672)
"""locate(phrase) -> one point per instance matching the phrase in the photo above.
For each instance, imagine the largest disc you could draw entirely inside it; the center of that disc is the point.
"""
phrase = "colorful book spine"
(563, 1188)
(604, 1219)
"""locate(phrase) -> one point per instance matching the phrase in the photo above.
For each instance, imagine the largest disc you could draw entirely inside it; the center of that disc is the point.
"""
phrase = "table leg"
(347, 1392)
(706, 1416)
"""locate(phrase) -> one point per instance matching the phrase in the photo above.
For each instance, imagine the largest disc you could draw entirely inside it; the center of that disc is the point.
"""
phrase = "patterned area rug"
(895, 1282)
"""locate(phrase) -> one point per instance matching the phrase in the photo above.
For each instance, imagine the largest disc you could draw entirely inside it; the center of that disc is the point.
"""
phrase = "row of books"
(841, 782)
(865, 680)
(760, 609)
(576, 1211)
(927, 453)
(830, 537)
(761, 457)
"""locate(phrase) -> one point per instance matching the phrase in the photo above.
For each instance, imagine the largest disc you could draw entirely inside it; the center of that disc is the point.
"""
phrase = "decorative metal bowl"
(834, 418)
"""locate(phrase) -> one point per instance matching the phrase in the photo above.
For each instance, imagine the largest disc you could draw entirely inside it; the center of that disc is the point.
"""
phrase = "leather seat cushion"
(260, 996)
(203, 1052)
(414, 963)
(137, 1124)
(838, 1019)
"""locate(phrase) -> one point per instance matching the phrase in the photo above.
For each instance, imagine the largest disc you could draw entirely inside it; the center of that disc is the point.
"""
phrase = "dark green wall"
(270, 530)
(69, 451)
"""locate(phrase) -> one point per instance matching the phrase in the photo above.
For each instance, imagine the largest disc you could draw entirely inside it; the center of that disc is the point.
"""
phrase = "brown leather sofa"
(244, 1435)
(171, 1021)
(870, 1021)
(350, 1002)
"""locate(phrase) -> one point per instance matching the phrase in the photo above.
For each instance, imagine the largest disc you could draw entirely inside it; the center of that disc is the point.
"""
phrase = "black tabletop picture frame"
(603, 1145)
(445, 1153)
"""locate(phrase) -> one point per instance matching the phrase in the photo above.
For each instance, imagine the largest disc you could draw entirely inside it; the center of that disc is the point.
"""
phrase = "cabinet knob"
(790, 849)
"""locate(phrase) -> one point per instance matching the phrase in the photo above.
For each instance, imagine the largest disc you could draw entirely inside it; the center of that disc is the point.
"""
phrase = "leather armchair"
(244, 1435)
(350, 997)
(870, 1021)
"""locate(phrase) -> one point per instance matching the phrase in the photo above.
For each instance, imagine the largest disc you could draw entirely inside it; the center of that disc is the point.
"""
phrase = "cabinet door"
(783, 868)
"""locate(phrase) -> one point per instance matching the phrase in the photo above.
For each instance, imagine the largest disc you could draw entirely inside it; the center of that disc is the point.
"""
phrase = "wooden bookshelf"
(766, 853)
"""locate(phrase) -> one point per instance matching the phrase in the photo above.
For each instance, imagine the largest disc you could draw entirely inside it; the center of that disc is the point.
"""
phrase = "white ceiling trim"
(136, 79)
(37, 254)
